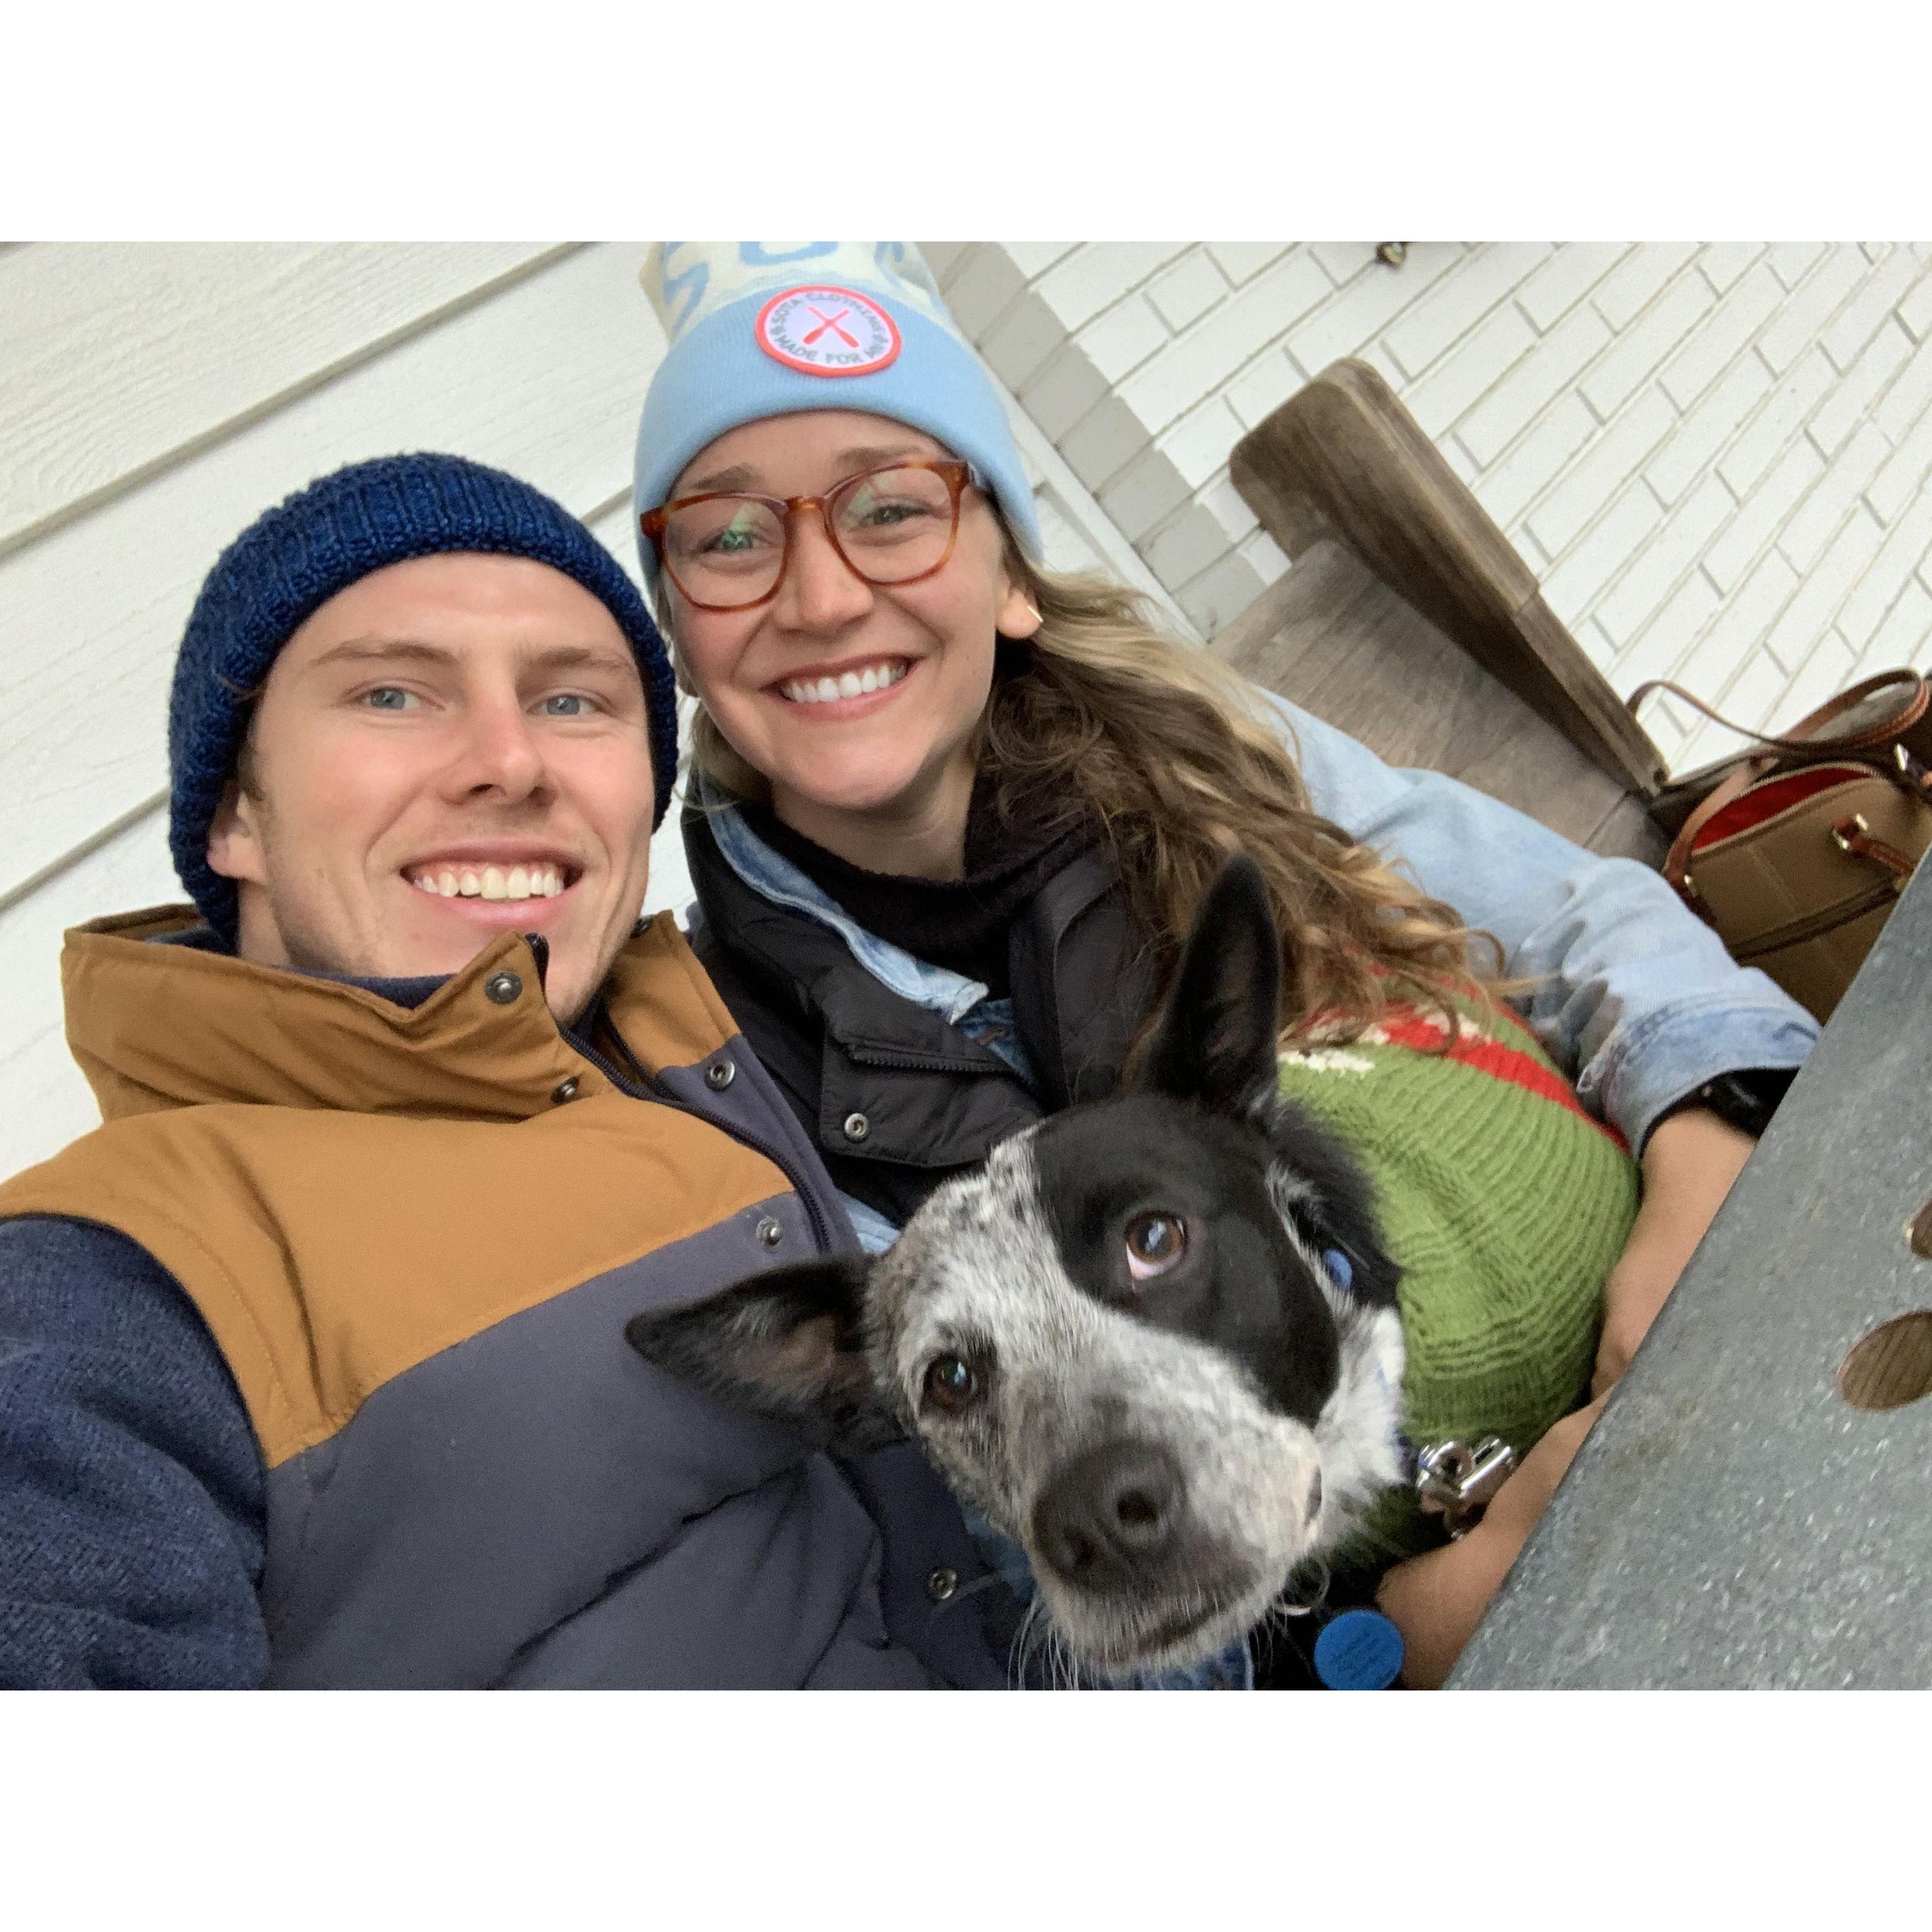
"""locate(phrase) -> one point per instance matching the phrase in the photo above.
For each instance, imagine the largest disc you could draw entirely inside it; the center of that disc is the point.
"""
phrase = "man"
(312, 1361)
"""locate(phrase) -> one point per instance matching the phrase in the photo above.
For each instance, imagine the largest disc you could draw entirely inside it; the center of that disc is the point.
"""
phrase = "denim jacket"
(1636, 999)
(1639, 1002)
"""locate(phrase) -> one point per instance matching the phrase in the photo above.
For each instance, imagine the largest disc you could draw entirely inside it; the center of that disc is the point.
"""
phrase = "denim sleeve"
(1638, 1001)
(132, 1497)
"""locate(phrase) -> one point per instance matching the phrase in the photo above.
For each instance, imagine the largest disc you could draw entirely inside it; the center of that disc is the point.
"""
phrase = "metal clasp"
(1457, 1482)
(1842, 832)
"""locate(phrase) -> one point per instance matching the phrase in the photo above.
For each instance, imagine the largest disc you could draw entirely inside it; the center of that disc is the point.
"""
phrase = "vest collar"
(156, 1026)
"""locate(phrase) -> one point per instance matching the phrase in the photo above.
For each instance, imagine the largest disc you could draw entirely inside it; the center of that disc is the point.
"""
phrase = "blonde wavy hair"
(1165, 748)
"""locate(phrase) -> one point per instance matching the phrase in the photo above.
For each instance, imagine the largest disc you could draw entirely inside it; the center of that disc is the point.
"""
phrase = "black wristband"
(1745, 1098)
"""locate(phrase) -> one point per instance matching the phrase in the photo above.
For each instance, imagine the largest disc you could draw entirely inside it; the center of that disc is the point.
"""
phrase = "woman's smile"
(835, 692)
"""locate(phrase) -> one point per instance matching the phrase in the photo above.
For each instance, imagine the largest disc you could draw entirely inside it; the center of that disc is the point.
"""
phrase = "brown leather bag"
(1798, 852)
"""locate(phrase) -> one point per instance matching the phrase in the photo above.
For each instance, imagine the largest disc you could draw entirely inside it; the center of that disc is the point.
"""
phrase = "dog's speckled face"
(1119, 1340)
(1114, 1344)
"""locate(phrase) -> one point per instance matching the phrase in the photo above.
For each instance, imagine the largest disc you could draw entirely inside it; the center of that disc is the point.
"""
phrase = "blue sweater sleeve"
(132, 1496)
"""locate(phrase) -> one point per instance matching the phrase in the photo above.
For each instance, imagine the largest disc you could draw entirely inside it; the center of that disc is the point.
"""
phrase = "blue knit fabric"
(132, 1498)
(714, 377)
(292, 559)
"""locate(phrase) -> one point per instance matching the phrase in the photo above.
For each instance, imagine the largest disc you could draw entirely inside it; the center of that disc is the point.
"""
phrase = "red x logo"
(831, 322)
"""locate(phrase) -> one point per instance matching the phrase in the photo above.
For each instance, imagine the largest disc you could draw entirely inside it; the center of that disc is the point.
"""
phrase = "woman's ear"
(1017, 615)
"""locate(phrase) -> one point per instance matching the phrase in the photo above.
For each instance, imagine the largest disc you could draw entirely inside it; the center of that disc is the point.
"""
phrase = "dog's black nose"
(1112, 1515)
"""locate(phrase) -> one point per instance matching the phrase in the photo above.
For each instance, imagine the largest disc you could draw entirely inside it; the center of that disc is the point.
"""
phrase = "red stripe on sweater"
(1489, 1056)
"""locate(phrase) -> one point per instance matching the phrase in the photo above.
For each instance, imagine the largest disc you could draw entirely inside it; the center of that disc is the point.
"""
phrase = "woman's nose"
(821, 591)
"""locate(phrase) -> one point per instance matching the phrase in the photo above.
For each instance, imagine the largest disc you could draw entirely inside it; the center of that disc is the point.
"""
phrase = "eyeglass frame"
(957, 474)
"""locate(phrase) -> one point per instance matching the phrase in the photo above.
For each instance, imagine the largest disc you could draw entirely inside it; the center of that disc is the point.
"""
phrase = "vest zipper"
(645, 1086)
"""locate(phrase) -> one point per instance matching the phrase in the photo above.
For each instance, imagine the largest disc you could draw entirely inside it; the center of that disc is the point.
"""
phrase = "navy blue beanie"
(292, 559)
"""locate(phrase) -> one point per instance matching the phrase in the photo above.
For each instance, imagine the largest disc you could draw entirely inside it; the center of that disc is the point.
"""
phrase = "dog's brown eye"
(1155, 1242)
(951, 1384)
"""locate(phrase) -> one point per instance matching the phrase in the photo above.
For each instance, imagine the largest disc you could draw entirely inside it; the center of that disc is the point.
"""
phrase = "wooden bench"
(1410, 623)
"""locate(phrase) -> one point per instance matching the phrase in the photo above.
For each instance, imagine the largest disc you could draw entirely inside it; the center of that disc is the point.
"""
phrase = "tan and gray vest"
(416, 1235)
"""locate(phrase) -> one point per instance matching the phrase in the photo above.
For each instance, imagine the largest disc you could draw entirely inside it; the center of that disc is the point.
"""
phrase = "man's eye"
(390, 698)
(1154, 1243)
(567, 704)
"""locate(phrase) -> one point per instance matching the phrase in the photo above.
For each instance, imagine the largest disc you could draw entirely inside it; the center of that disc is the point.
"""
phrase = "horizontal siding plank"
(113, 358)
(90, 615)
(48, 1103)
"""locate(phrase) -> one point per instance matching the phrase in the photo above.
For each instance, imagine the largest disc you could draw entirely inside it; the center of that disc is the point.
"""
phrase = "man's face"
(452, 748)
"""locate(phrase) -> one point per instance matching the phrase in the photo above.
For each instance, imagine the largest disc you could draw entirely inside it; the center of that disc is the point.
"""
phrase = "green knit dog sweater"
(1504, 1202)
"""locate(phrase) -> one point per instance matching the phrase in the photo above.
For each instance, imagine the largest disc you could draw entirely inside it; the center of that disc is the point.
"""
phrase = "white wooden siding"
(1717, 457)
(153, 400)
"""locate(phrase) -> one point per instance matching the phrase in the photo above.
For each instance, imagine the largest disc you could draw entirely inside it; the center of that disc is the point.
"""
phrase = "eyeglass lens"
(890, 526)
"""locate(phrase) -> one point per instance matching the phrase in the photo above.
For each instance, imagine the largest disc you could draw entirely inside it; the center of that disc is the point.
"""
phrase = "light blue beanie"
(769, 328)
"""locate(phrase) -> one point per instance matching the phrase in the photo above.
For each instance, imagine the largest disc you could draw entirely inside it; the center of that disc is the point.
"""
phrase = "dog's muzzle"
(1114, 1520)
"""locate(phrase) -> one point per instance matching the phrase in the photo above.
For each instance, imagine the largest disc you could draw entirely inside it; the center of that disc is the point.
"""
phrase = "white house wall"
(1714, 457)
(153, 400)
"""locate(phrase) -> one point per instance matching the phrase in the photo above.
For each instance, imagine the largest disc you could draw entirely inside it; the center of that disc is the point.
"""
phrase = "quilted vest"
(416, 1235)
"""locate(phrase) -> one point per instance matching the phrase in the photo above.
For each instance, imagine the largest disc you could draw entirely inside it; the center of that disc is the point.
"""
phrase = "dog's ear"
(1216, 1041)
(786, 1344)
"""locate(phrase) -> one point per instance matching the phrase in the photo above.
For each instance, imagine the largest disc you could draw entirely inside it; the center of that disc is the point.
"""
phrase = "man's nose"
(821, 593)
(499, 753)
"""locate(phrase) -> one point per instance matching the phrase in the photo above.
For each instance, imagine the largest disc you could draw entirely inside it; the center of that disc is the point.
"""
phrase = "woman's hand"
(1689, 1163)
(1437, 1600)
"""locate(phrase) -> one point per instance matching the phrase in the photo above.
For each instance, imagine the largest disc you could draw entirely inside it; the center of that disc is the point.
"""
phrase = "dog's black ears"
(1215, 1042)
(786, 1344)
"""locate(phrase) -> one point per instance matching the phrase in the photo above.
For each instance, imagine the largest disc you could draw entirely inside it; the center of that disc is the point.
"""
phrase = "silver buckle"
(1457, 1482)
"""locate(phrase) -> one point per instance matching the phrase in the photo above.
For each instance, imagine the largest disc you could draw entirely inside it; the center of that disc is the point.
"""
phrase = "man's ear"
(1215, 1042)
(786, 1344)
(234, 845)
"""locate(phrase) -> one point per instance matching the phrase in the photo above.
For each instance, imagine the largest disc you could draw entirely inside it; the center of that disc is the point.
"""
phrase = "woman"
(950, 816)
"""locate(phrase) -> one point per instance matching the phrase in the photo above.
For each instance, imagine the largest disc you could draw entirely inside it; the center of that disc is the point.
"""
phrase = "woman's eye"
(750, 529)
(952, 1384)
(567, 704)
(881, 512)
(1154, 1243)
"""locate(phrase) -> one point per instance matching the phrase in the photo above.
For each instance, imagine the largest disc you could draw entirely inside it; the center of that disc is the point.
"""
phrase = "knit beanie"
(769, 328)
(292, 559)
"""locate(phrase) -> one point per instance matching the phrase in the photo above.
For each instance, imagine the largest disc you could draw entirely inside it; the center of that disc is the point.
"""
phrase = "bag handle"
(1677, 860)
(1801, 740)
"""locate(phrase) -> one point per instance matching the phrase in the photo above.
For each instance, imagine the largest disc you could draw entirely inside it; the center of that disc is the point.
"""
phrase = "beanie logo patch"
(823, 331)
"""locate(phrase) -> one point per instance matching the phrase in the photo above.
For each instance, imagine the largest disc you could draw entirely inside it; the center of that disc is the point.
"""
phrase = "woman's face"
(897, 753)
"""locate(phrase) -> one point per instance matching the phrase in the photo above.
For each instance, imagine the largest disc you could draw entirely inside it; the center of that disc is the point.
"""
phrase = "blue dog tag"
(1360, 1650)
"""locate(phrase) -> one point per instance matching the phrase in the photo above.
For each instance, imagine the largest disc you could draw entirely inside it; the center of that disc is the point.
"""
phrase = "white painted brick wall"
(1717, 457)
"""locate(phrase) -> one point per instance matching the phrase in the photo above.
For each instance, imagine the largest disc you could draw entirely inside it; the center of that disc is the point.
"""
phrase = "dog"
(1153, 1340)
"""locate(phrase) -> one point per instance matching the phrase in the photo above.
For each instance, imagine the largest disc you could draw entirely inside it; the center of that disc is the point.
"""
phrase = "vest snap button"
(771, 1232)
(941, 1584)
(857, 1128)
(564, 1090)
(719, 1075)
(502, 989)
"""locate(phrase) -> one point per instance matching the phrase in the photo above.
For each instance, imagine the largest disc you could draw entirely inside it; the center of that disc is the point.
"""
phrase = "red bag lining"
(1772, 796)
